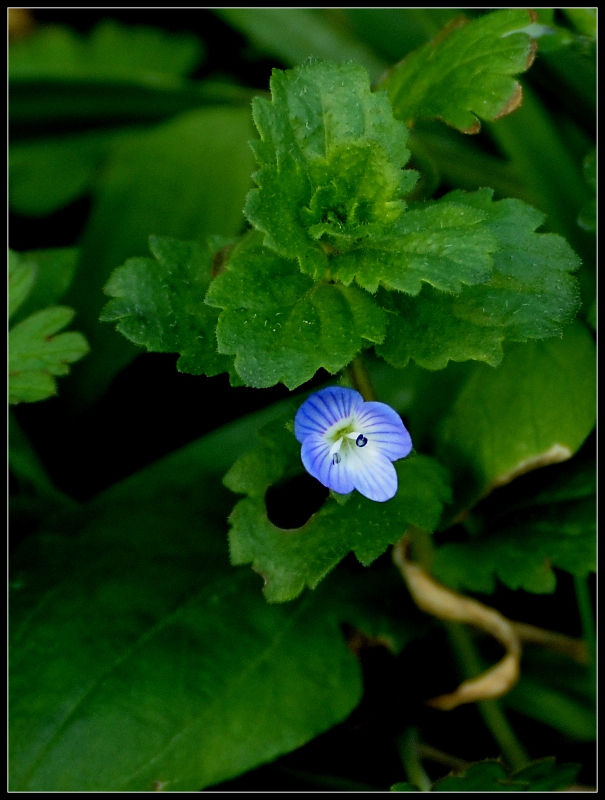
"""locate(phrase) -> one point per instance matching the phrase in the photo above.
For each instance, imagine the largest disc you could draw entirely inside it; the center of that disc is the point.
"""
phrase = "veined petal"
(319, 462)
(384, 429)
(325, 408)
(371, 473)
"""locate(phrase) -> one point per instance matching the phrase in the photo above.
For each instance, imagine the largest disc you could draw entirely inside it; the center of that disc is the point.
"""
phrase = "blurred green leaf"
(393, 32)
(535, 409)
(522, 551)
(587, 217)
(280, 325)
(159, 304)
(185, 179)
(557, 692)
(21, 278)
(290, 560)
(465, 74)
(584, 20)
(110, 50)
(140, 657)
(294, 34)
(47, 174)
(53, 272)
(490, 776)
(36, 354)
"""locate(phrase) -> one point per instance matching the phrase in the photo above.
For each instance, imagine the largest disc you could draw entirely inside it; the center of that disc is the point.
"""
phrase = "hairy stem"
(360, 379)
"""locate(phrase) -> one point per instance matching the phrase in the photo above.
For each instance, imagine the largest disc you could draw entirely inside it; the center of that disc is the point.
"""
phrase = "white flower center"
(340, 437)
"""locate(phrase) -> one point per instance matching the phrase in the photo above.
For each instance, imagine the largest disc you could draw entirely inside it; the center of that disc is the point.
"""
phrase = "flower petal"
(372, 474)
(319, 463)
(384, 428)
(325, 408)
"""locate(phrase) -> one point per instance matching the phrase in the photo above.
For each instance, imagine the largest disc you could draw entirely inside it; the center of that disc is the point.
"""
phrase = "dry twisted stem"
(445, 604)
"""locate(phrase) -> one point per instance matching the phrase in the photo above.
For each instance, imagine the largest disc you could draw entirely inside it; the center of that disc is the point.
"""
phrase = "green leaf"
(535, 409)
(166, 652)
(557, 692)
(490, 776)
(330, 158)
(290, 560)
(547, 776)
(523, 553)
(465, 74)
(159, 304)
(111, 50)
(587, 218)
(36, 354)
(280, 325)
(530, 295)
(186, 179)
(295, 34)
(47, 174)
(21, 278)
(51, 271)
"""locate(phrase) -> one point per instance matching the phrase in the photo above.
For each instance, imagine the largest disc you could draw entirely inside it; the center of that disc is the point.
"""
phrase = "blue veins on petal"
(350, 444)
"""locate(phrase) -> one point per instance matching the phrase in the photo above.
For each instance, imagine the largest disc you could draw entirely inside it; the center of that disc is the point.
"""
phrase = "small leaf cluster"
(37, 351)
(338, 261)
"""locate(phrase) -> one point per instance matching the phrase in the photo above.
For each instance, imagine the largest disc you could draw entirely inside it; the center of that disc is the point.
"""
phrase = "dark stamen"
(336, 458)
(361, 440)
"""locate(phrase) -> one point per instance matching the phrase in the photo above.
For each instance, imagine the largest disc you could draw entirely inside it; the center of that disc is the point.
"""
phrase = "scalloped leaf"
(465, 74)
(330, 157)
(159, 304)
(291, 559)
(280, 325)
(531, 294)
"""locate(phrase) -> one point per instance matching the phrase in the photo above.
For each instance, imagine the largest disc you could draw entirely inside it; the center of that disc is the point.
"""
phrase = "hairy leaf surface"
(289, 560)
(159, 304)
(466, 73)
(282, 326)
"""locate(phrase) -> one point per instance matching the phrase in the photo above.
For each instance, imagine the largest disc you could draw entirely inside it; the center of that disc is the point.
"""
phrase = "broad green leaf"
(490, 776)
(330, 157)
(523, 552)
(280, 325)
(531, 294)
(111, 50)
(466, 73)
(557, 692)
(186, 179)
(51, 271)
(295, 34)
(140, 656)
(47, 174)
(289, 560)
(394, 32)
(535, 409)
(444, 244)
(159, 304)
(21, 279)
(36, 354)
(583, 19)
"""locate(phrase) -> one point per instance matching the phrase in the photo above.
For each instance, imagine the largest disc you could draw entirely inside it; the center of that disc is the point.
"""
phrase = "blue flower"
(349, 444)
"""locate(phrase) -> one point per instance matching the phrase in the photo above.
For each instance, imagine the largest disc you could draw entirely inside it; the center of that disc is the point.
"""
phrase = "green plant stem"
(408, 750)
(490, 710)
(361, 379)
(586, 616)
